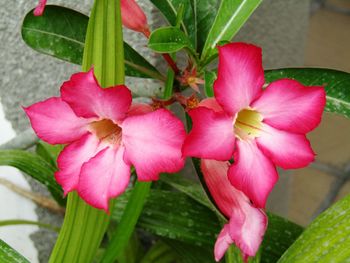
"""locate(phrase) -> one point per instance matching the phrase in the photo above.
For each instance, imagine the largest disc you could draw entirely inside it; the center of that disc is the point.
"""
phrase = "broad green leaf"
(280, 235)
(336, 83)
(198, 17)
(9, 255)
(230, 18)
(60, 32)
(175, 216)
(189, 253)
(160, 253)
(169, 40)
(327, 239)
(36, 167)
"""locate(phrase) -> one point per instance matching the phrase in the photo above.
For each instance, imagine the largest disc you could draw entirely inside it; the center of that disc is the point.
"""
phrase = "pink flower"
(133, 16)
(259, 128)
(105, 136)
(247, 224)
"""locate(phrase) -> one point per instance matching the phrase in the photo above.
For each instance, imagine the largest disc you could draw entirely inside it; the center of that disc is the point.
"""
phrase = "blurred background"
(292, 33)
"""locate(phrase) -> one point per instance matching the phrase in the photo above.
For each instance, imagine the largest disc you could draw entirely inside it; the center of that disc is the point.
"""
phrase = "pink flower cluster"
(259, 128)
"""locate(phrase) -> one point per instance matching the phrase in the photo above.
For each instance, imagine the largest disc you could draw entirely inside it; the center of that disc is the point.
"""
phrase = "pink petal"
(103, 177)
(247, 224)
(153, 143)
(133, 17)
(88, 99)
(288, 105)
(55, 122)
(211, 103)
(240, 76)
(225, 195)
(71, 160)
(222, 243)
(139, 109)
(247, 228)
(252, 172)
(211, 136)
(285, 149)
(39, 9)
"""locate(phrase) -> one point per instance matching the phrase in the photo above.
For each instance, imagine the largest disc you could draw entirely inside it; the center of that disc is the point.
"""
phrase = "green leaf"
(12, 222)
(60, 32)
(131, 213)
(9, 255)
(189, 253)
(169, 40)
(197, 20)
(327, 239)
(34, 166)
(160, 253)
(175, 216)
(49, 152)
(230, 18)
(280, 235)
(336, 83)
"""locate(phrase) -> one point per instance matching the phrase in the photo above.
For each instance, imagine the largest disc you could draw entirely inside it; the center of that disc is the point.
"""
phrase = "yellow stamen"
(248, 124)
(106, 130)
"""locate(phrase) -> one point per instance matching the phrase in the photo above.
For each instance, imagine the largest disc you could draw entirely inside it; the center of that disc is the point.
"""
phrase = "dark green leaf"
(160, 253)
(60, 32)
(327, 239)
(169, 40)
(230, 18)
(175, 216)
(189, 253)
(34, 166)
(9, 255)
(336, 83)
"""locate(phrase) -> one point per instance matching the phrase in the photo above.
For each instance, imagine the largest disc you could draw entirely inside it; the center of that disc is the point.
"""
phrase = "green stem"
(127, 223)
(84, 226)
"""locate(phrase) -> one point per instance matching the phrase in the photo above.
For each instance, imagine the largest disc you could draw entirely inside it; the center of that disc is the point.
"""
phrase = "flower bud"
(133, 17)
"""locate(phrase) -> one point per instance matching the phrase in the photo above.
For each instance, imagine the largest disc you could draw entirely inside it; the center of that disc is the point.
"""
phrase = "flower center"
(106, 131)
(248, 124)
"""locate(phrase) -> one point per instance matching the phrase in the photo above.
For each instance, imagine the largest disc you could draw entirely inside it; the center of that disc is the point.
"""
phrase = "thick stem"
(84, 226)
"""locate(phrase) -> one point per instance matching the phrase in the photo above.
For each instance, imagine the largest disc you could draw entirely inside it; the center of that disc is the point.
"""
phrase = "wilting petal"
(133, 17)
(222, 243)
(247, 224)
(211, 103)
(247, 228)
(252, 172)
(285, 149)
(211, 136)
(55, 122)
(288, 105)
(71, 160)
(240, 76)
(39, 9)
(139, 109)
(153, 143)
(103, 177)
(88, 99)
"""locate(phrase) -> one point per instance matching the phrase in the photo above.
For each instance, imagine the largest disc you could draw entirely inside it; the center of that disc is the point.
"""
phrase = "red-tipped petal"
(88, 99)
(71, 160)
(288, 105)
(285, 149)
(55, 122)
(153, 143)
(240, 76)
(252, 172)
(211, 136)
(103, 177)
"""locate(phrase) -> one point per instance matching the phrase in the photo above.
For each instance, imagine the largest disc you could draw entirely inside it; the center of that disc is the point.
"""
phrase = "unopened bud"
(133, 17)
